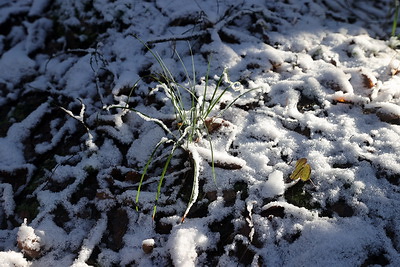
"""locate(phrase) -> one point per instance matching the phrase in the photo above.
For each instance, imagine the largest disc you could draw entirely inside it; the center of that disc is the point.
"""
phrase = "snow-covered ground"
(326, 80)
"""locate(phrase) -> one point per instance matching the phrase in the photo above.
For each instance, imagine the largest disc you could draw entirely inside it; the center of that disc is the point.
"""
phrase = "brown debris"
(213, 124)
(367, 81)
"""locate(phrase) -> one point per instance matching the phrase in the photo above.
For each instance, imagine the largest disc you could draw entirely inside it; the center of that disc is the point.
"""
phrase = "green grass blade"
(193, 109)
(162, 141)
(213, 101)
(396, 15)
(164, 171)
(236, 98)
(205, 86)
(176, 145)
(131, 92)
(191, 90)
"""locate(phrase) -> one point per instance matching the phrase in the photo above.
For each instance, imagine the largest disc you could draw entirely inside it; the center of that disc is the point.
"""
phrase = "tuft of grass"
(190, 116)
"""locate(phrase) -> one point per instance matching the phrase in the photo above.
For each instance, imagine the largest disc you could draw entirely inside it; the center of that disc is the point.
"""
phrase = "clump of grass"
(191, 118)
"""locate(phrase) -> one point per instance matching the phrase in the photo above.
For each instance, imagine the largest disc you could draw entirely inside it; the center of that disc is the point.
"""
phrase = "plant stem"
(162, 141)
(396, 15)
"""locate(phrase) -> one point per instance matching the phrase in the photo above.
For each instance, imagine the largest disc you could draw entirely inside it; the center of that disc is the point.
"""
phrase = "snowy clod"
(28, 241)
(183, 245)
(274, 185)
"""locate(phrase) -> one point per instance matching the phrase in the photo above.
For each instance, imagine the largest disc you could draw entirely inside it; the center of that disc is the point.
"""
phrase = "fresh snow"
(322, 81)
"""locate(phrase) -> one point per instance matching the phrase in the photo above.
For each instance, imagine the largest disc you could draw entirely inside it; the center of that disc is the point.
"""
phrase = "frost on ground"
(327, 88)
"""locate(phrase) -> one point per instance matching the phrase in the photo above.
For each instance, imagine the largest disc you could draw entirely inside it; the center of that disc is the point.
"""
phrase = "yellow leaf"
(302, 170)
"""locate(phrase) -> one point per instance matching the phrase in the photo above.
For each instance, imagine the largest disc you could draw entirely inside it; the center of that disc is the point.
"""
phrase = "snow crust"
(326, 80)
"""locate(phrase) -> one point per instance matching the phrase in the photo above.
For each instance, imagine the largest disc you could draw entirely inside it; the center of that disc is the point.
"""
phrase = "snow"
(89, 243)
(7, 199)
(274, 186)
(184, 242)
(16, 64)
(13, 259)
(326, 86)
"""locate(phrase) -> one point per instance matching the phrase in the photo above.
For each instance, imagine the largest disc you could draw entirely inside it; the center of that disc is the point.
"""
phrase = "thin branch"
(179, 38)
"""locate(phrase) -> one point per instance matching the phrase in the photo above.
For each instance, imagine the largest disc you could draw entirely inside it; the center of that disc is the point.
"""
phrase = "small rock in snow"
(148, 245)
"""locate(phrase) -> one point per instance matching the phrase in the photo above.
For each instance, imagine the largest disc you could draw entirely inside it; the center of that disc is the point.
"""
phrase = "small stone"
(148, 245)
